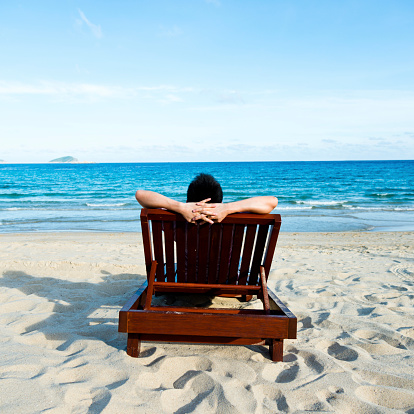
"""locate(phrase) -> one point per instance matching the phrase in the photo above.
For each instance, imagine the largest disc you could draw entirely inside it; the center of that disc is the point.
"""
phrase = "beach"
(353, 295)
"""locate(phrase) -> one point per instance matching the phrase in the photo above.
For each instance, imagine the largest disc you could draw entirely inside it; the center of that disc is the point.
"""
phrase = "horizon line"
(187, 162)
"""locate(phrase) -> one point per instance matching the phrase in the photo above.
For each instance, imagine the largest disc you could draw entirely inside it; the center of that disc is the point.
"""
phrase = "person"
(204, 202)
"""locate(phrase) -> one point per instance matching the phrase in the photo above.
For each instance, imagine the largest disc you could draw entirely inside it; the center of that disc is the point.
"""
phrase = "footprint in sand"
(365, 311)
(81, 399)
(188, 396)
(28, 371)
(387, 397)
(322, 318)
(403, 273)
(164, 372)
(205, 394)
(281, 373)
(398, 288)
(288, 375)
(80, 370)
(407, 331)
(380, 349)
(91, 400)
(306, 322)
(271, 397)
(312, 362)
(387, 380)
(339, 402)
(341, 352)
(317, 319)
(392, 338)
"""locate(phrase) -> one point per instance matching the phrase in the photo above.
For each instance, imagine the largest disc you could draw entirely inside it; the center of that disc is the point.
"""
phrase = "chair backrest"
(230, 252)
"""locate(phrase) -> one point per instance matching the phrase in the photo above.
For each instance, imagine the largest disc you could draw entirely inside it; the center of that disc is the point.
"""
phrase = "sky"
(206, 80)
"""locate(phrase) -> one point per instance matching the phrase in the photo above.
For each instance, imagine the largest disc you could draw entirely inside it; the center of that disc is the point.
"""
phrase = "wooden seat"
(231, 258)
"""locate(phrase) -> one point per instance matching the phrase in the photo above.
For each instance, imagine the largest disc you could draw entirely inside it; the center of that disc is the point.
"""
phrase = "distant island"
(65, 159)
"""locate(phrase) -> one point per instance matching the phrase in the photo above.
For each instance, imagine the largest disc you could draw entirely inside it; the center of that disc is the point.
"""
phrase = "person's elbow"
(138, 195)
(141, 196)
(272, 203)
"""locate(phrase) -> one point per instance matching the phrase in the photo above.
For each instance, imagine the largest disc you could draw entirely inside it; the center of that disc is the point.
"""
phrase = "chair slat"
(226, 246)
(158, 250)
(191, 253)
(235, 253)
(215, 240)
(181, 246)
(203, 246)
(169, 250)
(258, 254)
(247, 253)
(146, 239)
(271, 246)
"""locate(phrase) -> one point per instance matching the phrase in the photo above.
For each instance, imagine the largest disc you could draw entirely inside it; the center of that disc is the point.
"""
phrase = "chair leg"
(247, 298)
(133, 345)
(276, 349)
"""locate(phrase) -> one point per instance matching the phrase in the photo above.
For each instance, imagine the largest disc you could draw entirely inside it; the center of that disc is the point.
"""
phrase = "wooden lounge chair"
(231, 258)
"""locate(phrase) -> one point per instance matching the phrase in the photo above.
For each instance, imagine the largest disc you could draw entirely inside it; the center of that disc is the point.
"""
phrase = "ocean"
(325, 196)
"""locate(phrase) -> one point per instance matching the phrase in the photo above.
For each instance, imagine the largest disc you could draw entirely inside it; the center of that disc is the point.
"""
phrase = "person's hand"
(204, 217)
(186, 210)
(190, 213)
(211, 212)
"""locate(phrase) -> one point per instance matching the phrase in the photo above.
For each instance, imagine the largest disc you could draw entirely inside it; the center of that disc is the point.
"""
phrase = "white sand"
(60, 352)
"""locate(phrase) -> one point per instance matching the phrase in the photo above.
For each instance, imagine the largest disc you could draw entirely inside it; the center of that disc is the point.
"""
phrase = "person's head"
(202, 187)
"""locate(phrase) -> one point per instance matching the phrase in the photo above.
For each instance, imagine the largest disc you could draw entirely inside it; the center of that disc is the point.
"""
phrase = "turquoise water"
(313, 196)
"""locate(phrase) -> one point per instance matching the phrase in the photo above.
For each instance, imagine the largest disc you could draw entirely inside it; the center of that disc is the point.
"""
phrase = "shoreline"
(60, 294)
(363, 231)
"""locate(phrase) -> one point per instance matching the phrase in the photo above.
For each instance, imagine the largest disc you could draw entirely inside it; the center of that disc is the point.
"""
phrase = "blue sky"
(206, 80)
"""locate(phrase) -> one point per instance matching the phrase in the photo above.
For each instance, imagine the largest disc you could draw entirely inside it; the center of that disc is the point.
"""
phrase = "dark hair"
(202, 187)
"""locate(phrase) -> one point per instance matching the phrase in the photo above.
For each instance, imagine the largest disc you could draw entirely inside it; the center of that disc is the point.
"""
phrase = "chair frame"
(231, 258)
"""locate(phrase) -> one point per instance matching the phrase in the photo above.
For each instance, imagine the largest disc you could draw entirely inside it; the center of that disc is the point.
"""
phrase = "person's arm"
(151, 199)
(259, 205)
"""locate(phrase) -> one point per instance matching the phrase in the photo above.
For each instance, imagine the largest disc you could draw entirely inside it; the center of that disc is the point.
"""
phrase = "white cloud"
(95, 29)
(61, 88)
(162, 93)
(170, 98)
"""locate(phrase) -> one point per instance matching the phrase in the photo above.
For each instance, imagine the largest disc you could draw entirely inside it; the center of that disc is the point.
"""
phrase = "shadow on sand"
(89, 309)
(84, 310)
